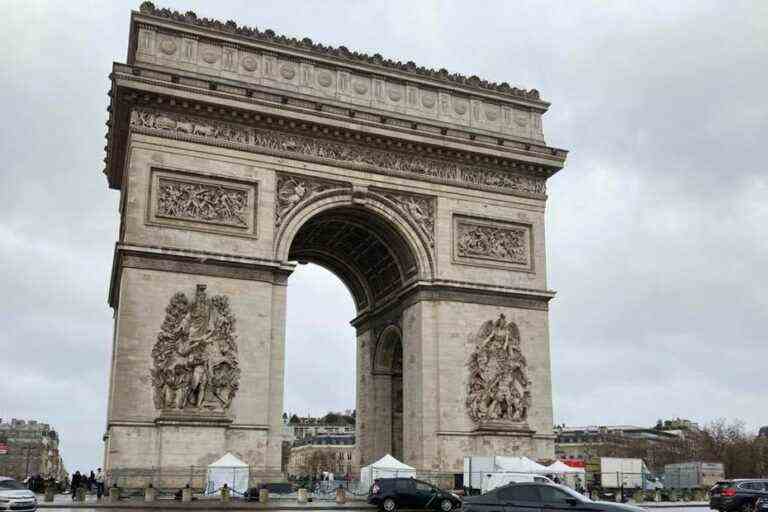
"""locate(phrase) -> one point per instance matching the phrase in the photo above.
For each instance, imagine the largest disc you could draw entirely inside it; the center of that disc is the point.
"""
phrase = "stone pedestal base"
(174, 452)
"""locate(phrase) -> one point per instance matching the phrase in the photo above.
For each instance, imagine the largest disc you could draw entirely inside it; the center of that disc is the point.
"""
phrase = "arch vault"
(237, 154)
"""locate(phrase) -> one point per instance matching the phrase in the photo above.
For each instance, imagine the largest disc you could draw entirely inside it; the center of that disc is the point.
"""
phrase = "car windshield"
(11, 485)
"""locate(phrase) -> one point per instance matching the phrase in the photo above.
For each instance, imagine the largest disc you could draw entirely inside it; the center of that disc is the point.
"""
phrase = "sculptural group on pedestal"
(498, 381)
(195, 356)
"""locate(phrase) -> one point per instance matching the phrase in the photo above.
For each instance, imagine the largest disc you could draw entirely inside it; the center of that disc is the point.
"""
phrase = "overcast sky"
(656, 227)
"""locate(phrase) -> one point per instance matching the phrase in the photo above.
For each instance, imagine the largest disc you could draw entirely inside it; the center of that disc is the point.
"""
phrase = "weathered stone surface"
(435, 225)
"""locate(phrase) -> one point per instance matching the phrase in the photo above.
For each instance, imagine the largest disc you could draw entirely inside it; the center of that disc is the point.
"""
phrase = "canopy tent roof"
(519, 465)
(385, 467)
(228, 461)
(561, 467)
(390, 463)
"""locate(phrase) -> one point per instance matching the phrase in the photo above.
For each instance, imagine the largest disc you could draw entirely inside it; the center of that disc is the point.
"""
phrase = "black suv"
(738, 495)
(389, 494)
(539, 497)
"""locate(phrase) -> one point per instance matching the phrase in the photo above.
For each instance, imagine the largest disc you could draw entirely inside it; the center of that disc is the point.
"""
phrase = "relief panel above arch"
(192, 201)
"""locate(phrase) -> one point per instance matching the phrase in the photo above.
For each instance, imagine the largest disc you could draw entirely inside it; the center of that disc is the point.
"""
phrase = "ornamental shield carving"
(498, 382)
(195, 356)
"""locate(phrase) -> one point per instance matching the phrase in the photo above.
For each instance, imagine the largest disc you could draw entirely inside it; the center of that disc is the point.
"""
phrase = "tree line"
(743, 454)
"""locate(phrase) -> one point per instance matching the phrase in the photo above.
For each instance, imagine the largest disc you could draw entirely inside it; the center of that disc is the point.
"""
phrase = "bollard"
(149, 493)
(302, 495)
(186, 493)
(114, 493)
(50, 492)
(341, 496)
(263, 495)
(225, 496)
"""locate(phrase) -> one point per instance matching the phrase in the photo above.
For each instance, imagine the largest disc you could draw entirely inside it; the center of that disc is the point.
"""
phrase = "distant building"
(297, 428)
(763, 432)
(29, 448)
(678, 425)
(585, 442)
(333, 453)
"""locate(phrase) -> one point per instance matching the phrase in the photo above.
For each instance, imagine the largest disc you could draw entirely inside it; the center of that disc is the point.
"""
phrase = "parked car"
(738, 495)
(493, 480)
(761, 505)
(389, 494)
(535, 497)
(15, 496)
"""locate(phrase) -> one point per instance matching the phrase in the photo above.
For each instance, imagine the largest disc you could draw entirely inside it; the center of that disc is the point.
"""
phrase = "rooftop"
(342, 52)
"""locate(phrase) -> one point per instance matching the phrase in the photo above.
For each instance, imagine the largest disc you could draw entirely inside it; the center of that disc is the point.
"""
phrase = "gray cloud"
(656, 232)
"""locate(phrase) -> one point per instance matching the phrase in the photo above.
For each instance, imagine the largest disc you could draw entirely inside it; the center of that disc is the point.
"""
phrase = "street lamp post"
(29, 448)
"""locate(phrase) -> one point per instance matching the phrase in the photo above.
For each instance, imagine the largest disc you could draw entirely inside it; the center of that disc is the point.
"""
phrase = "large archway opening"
(374, 260)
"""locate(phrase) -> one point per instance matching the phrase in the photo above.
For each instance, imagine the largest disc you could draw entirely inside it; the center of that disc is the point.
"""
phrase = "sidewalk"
(64, 502)
(674, 504)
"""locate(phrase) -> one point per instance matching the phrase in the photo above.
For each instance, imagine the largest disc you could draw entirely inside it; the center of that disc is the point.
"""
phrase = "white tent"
(227, 470)
(561, 468)
(519, 465)
(386, 467)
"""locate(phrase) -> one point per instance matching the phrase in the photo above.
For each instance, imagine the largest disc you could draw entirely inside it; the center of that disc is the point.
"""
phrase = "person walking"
(76, 481)
(99, 484)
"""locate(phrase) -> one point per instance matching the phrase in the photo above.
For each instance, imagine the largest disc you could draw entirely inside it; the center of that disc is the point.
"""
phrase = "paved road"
(295, 508)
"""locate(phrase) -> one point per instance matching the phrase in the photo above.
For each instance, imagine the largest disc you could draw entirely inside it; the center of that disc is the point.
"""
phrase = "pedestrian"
(91, 482)
(76, 481)
(99, 484)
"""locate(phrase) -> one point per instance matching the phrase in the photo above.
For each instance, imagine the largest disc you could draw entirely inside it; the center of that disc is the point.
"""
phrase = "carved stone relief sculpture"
(420, 209)
(292, 190)
(202, 202)
(498, 389)
(385, 161)
(195, 360)
(495, 242)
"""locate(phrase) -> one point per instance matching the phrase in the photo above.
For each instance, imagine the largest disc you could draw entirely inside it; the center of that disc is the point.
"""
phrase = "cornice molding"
(192, 262)
(441, 130)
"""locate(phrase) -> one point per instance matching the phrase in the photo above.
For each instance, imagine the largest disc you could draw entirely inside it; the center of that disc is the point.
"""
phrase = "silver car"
(15, 496)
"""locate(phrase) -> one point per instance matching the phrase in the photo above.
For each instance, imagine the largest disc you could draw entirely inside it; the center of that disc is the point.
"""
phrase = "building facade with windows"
(29, 448)
(581, 443)
(311, 456)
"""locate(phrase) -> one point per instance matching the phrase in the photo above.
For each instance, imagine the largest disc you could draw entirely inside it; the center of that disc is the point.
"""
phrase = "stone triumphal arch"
(238, 153)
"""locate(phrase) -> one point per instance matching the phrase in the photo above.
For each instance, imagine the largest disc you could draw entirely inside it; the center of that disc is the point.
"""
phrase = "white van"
(493, 480)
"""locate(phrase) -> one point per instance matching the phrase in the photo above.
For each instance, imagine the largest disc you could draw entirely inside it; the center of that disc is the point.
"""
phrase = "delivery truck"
(693, 475)
(609, 474)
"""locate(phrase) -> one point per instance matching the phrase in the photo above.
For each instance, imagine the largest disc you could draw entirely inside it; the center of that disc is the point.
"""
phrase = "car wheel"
(446, 505)
(746, 507)
(389, 505)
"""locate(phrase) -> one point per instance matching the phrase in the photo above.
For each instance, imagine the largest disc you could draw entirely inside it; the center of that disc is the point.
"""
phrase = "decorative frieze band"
(486, 241)
(338, 153)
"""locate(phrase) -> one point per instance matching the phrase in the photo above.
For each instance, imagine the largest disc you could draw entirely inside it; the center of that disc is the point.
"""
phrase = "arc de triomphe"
(238, 153)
